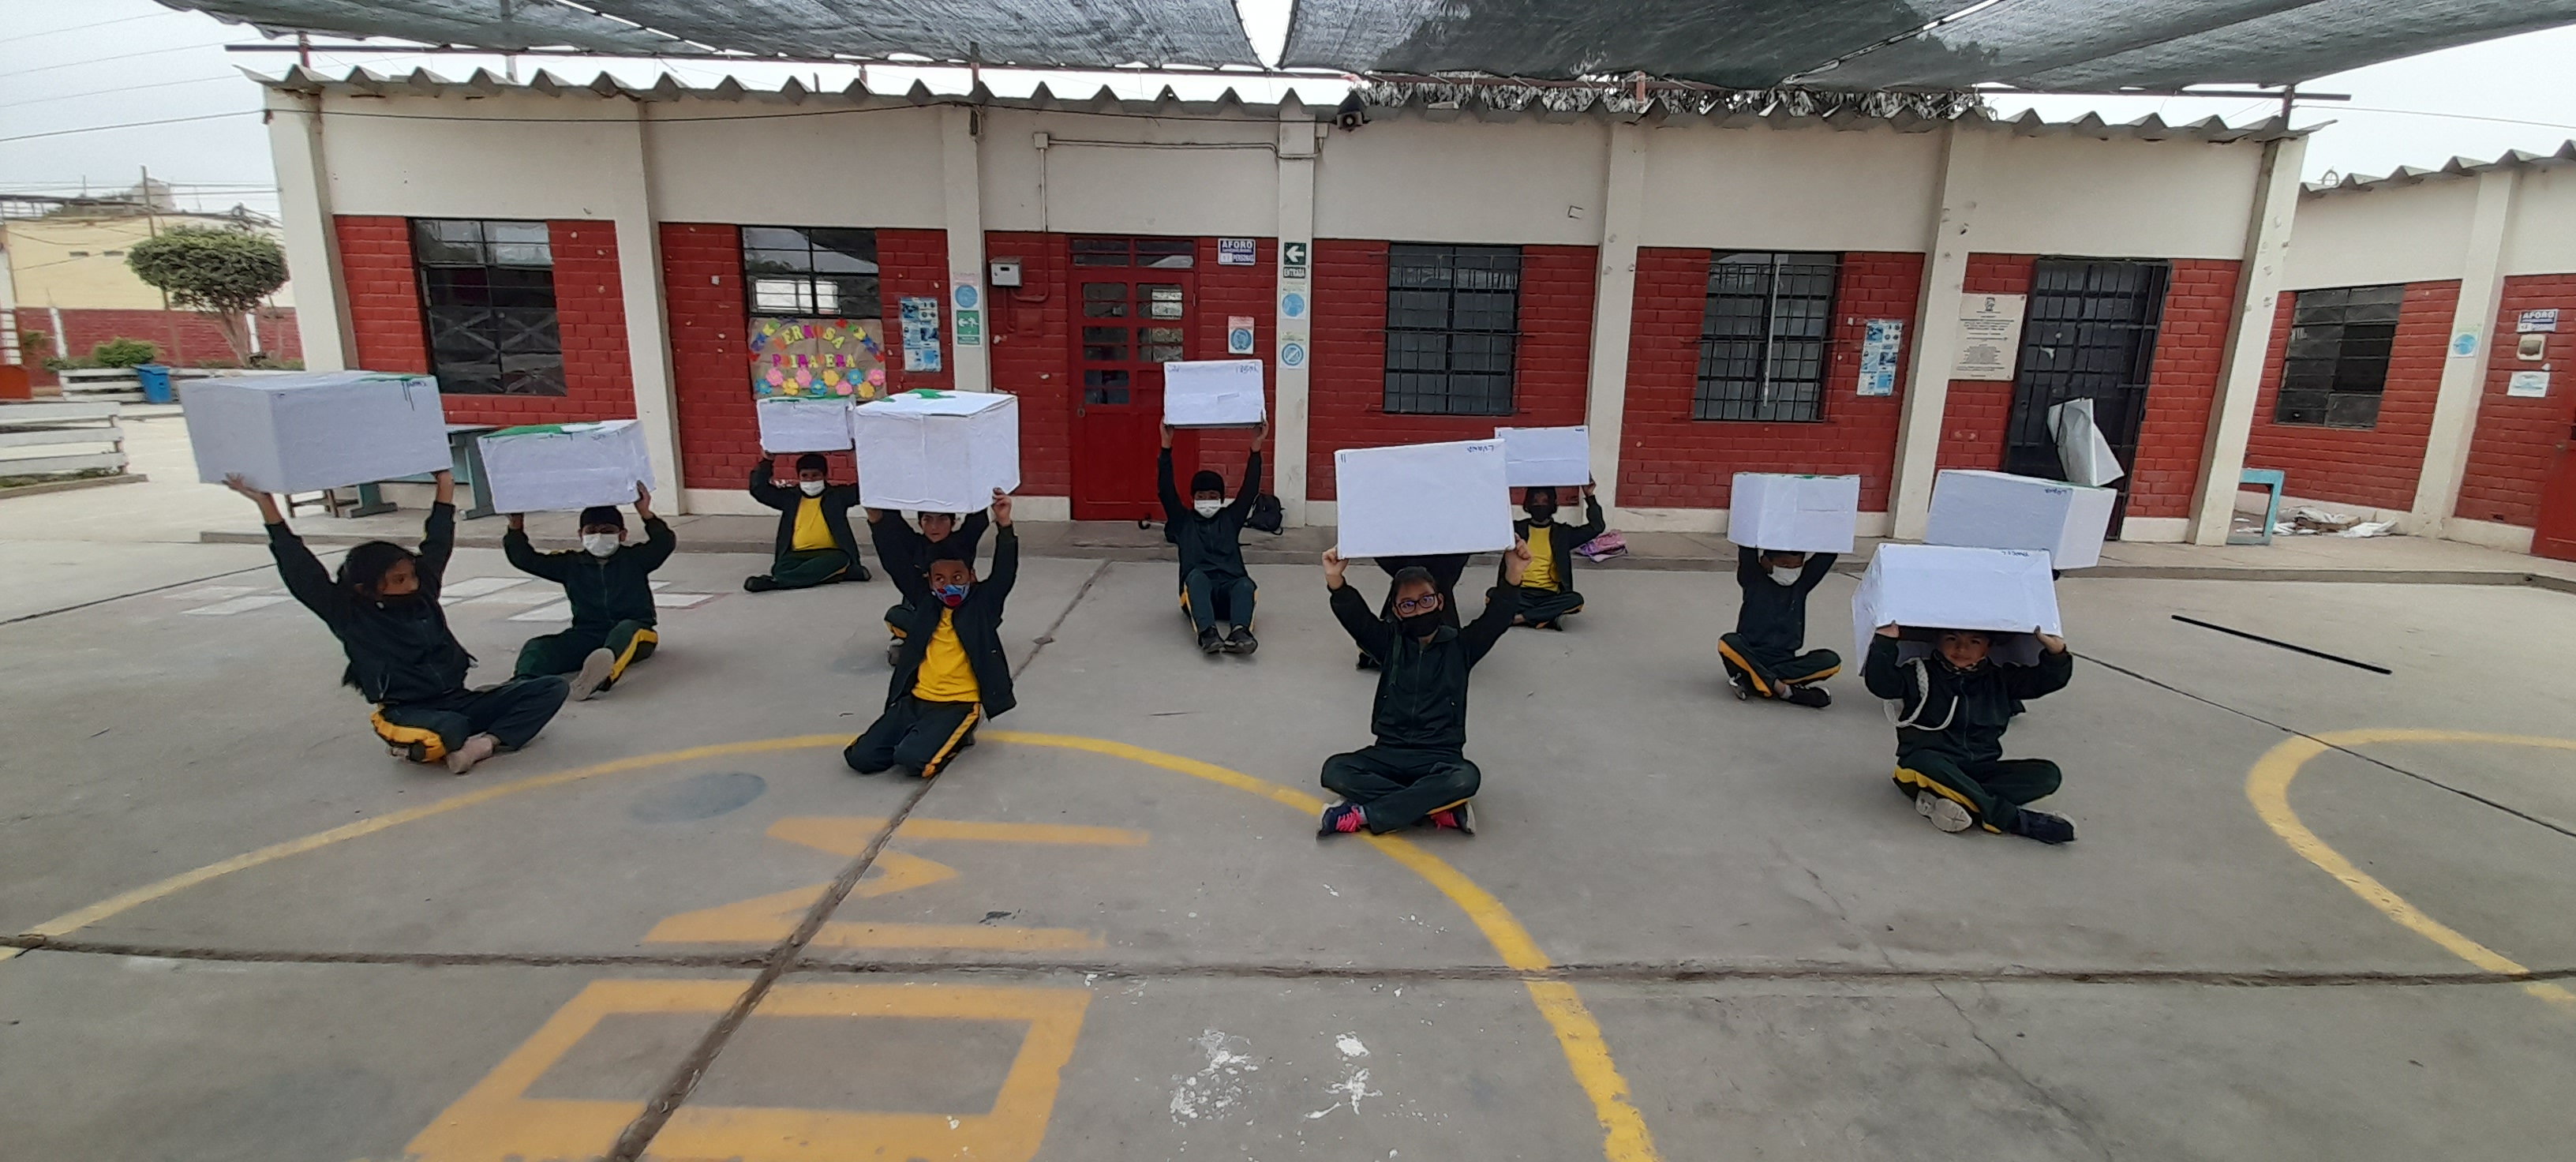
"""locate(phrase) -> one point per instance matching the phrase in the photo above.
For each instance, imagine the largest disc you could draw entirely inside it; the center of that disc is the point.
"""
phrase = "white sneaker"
(1944, 813)
(593, 675)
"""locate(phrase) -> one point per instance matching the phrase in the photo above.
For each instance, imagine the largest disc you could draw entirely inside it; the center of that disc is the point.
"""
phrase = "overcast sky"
(78, 66)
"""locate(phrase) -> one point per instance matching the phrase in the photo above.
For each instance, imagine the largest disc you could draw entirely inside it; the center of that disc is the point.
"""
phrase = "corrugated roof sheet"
(2457, 167)
(1784, 109)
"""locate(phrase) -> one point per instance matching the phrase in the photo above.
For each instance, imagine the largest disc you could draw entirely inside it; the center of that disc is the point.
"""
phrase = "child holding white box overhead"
(1955, 703)
(815, 545)
(1547, 586)
(1789, 530)
(608, 584)
(1215, 586)
(951, 674)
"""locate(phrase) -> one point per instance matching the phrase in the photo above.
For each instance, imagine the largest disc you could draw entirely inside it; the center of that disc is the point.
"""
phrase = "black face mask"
(1419, 625)
(1540, 514)
(400, 602)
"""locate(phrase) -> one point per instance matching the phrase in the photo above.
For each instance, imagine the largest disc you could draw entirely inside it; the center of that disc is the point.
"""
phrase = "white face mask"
(1786, 575)
(1208, 508)
(811, 487)
(600, 544)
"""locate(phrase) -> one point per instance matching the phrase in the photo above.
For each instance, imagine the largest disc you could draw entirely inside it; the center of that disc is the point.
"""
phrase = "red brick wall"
(186, 338)
(1672, 461)
(1978, 411)
(384, 296)
(711, 348)
(2518, 439)
(1031, 357)
(2378, 467)
(2182, 384)
(1348, 383)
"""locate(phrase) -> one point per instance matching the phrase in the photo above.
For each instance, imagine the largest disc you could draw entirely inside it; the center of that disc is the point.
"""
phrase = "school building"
(1712, 288)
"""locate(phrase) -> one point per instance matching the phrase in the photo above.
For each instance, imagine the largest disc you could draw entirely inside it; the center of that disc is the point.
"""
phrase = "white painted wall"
(1155, 176)
(2542, 237)
(1808, 188)
(1464, 181)
(2414, 233)
(795, 166)
(2115, 199)
(423, 157)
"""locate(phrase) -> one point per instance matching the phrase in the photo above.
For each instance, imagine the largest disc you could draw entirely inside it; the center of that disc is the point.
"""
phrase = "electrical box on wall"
(1006, 272)
(2532, 348)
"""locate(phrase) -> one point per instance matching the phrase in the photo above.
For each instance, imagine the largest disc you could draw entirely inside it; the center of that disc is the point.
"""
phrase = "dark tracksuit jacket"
(611, 597)
(837, 502)
(1212, 571)
(1771, 626)
(1540, 606)
(902, 549)
(1955, 746)
(406, 660)
(923, 734)
(1420, 713)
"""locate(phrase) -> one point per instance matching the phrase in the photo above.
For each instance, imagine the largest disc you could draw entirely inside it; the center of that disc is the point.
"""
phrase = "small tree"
(219, 273)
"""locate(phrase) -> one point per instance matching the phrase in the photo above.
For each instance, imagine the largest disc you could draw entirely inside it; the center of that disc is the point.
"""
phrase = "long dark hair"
(365, 566)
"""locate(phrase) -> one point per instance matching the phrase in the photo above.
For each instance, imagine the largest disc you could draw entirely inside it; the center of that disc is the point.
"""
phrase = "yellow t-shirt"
(812, 534)
(1541, 573)
(945, 675)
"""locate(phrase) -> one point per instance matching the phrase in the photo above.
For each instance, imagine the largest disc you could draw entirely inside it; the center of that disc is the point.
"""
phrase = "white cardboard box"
(1794, 514)
(1552, 456)
(558, 467)
(1423, 498)
(937, 451)
(803, 425)
(1947, 587)
(1212, 393)
(1998, 510)
(327, 429)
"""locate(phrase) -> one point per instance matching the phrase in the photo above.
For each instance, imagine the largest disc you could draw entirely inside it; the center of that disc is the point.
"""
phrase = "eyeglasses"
(1413, 605)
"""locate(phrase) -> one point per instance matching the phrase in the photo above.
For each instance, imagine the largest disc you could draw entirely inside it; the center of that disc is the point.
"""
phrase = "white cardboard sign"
(1423, 498)
(1793, 514)
(1546, 456)
(937, 451)
(1212, 393)
(1948, 587)
(327, 429)
(556, 467)
(1998, 510)
(803, 425)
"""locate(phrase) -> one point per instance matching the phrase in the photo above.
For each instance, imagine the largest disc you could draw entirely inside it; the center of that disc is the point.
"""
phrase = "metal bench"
(41, 439)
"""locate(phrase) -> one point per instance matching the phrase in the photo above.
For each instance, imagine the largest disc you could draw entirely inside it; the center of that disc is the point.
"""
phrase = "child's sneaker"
(1241, 641)
(594, 674)
(1341, 819)
(2044, 827)
(1945, 813)
(1461, 819)
(1743, 690)
(1813, 697)
(1209, 643)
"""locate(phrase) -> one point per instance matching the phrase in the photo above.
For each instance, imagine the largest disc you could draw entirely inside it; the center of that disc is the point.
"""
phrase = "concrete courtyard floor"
(677, 927)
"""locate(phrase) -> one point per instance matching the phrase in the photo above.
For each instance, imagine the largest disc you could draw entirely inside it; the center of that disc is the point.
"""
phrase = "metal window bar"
(487, 294)
(2089, 332)
(2336, 364)
(1764, 336)
(1452, 327)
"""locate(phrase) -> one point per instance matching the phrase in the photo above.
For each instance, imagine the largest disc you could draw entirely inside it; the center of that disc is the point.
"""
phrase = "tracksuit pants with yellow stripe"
(915, 734)
(1771, 676)
(563, 653)
(512, 713)
(1992, 790)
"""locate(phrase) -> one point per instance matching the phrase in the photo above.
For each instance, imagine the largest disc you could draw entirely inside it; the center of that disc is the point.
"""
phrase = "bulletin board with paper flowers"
(817, 359)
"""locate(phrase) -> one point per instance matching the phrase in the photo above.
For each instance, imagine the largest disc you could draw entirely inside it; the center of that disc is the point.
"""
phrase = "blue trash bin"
(156, 382)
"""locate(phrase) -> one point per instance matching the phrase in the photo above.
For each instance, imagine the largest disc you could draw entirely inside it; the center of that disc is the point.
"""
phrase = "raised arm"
(895, 548)
(972, 528)
(437, 537)
(1250, 492)
(1173, 506)
(1879, 672)
(524, 556)
(2056, 666)
(1748, 565)
(1363, 624)
(1006, 550)
(304, 575)
(1594, 523)
(764, 485)
(1818, 564)
(1479, 636)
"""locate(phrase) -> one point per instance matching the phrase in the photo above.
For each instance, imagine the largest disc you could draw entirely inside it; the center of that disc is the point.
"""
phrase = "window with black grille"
(1764, 336)
(1452, 319)
(797, 272)
(2337, 361)
(487, 296)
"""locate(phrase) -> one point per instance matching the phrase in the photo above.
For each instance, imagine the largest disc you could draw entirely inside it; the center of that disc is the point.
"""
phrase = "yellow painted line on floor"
(1578, 1034)
(2268, 786)
(1624, 1134)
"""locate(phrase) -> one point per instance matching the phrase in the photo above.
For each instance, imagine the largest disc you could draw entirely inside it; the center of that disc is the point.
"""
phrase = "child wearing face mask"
(902, 550)
(1763, 656)
(384, 609)
(607, 582)
(1547, 588)
(1215, 586)
(815, 545)
(1954, 704)
(951, 674)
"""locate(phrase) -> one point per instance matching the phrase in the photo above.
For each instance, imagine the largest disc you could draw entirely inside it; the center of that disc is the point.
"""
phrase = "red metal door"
(2554, 534)
(1135, 296)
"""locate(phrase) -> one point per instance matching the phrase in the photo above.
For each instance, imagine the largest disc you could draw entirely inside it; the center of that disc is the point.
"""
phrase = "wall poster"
(817, 359)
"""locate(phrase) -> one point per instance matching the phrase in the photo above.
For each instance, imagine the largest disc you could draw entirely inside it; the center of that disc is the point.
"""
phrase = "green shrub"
(122, 352)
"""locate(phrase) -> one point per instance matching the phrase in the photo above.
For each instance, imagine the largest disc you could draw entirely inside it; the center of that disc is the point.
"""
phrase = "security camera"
(1352, 114)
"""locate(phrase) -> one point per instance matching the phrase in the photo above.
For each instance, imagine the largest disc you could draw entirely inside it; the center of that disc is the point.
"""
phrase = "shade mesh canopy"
(1875, 44)
(1065, 33)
